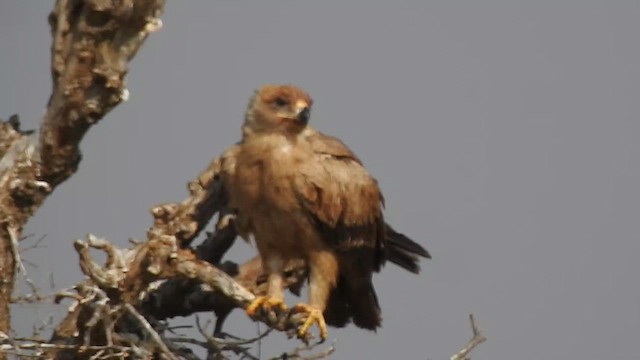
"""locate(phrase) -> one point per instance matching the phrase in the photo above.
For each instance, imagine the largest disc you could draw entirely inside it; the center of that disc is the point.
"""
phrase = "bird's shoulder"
(330, 146)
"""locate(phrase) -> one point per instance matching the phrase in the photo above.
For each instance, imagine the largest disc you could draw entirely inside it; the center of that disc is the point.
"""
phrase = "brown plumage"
(305, 195)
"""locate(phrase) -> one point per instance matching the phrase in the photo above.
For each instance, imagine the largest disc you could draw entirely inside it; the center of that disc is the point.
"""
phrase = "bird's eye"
(280, 102)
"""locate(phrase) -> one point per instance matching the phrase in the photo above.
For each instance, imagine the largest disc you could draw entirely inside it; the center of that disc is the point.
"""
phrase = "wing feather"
(342, 198)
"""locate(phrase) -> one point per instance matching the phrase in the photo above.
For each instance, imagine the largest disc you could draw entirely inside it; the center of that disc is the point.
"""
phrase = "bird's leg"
(274, 300)
(322, 278)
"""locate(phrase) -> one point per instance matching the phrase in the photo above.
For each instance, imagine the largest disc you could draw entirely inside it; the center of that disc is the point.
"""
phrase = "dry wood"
(93, 42)
(476, 340)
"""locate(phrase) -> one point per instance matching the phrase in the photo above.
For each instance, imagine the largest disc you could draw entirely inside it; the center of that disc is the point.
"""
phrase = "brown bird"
(304, 195)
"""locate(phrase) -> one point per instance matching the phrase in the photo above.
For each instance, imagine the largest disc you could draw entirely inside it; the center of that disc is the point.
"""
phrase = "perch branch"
(157, 260)
(158, 272)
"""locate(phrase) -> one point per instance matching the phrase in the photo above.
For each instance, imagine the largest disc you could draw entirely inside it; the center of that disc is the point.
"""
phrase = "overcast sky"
(505, 136)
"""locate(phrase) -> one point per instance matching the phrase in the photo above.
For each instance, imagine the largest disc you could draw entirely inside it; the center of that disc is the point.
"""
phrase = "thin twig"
(297, 353)
(35, 245)
(154, 335)
(21, 343)
(218, 345)
(19, 266)
(13, 237)
(476, 340)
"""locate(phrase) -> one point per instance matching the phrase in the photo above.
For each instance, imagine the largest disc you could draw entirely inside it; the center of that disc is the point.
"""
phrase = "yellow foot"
(314, 315)
(266, 303)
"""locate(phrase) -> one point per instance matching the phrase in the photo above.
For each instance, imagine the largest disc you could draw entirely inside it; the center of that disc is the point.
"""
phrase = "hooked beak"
(303, 113)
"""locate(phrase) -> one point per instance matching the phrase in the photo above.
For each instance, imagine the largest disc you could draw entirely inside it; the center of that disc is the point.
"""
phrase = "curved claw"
(267, 303)
(314, 315)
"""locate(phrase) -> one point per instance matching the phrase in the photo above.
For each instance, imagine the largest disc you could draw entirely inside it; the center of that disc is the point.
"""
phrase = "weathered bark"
(17, 193)
(93, 41)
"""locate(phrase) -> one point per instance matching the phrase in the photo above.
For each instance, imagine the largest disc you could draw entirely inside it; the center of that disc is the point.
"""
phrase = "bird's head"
(278, 108)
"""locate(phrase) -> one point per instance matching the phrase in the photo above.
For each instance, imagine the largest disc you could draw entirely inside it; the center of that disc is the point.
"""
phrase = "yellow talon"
(313, 316)
(267, 303)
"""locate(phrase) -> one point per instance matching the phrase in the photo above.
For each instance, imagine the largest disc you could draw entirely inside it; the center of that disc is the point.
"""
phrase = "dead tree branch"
(165, 270)
(476, 340)
(93, 42)
(151, 331)
(299, 353)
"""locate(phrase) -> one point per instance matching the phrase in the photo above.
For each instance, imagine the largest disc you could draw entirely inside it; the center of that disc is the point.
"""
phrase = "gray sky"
(504, 136)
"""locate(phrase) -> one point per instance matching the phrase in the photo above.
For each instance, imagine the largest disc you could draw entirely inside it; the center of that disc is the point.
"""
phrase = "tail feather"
(403, 251)
(403, 242)
(354, 297)
(406, 260)
(364, 304)
(337, 312)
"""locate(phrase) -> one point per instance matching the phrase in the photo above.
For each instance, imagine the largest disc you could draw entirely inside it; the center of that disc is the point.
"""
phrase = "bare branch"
(13, 237)
(18, 264)
(476, 340)
(132, 276)
(93, 42)
(154, 335)
(298, 353)
(159, 259)
(17, 346)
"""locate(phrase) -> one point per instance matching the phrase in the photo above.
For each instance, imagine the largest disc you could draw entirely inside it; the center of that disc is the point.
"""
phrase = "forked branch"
(476, 340)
